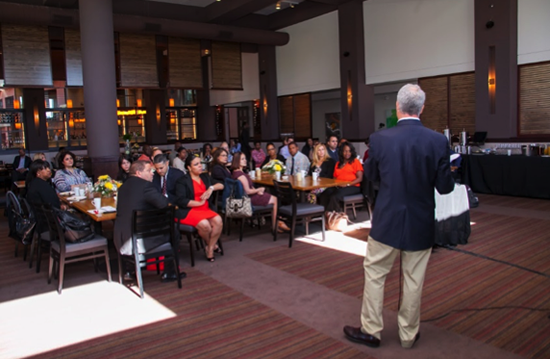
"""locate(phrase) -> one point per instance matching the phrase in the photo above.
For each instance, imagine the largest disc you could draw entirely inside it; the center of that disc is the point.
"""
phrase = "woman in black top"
(272, 154)
(321, 162)
(308, 147)
(218, 166)
(124, 163)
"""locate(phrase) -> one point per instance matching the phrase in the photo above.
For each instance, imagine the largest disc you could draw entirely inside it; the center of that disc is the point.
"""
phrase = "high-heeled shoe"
(210, 259)
(217, 250)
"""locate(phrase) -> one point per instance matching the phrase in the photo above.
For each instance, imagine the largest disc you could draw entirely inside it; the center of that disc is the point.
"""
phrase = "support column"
(206, 114)
(357, 99)
(155, 119)
(269, 103)
(496, 75)
(98, 70)
(36, 131)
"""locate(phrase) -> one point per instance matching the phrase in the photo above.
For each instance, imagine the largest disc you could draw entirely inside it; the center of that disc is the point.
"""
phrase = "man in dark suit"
(21, 164)
(165, 177)
(138, 193)
(409, 161)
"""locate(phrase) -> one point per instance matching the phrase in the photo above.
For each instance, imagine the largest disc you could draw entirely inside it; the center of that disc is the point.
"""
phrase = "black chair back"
(153, 223)
(285, 194)
(56, 232)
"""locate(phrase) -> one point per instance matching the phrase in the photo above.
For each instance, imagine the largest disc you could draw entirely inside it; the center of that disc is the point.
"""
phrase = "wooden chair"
(294, 213)
(63, 252)
(153, 237)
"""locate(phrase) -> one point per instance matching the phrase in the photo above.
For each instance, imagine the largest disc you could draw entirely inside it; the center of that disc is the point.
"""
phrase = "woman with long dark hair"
(218, 166)
(124, 163)
(68, 175)
(348, 168)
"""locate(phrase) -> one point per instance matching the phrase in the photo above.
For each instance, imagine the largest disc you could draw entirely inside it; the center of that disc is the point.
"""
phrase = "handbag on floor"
(336, 221)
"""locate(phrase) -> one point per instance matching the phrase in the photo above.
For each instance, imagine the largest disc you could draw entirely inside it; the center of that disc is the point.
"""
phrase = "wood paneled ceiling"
(255, 14)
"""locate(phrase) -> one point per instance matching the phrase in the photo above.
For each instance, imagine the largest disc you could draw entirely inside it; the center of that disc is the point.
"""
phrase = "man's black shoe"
(129, 277)
(172, 277)
(356, 335)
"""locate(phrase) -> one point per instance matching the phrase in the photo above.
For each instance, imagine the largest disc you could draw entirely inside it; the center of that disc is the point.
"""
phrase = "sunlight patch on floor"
(339, 241)
(79, 314)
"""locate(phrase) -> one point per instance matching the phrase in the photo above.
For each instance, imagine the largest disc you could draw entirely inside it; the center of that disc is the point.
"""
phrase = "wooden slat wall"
(138, 61)
(226, 66)
(302, 119)
(435, 109)
(286, 111)
(462, 106)
(184, 63)
(534, 99)
(73, 58)
(26, 55)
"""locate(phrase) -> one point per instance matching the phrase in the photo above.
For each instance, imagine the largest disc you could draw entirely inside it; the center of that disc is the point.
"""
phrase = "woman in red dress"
(258, 196)
(192, 197)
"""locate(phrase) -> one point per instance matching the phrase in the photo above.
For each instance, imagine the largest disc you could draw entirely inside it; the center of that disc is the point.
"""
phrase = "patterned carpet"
(457, 281)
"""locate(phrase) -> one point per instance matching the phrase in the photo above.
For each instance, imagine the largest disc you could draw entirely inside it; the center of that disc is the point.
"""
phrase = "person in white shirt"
(296, 161)
(179, 160)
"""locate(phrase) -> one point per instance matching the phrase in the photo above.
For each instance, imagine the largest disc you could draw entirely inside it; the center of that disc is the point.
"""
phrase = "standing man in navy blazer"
(165, 177)
(409, 161)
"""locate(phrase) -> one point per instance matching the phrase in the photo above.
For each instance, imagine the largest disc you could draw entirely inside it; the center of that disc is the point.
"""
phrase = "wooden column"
(36, 132)
(357, 99)
(496, 67)
(155, 119)
(206, 114)
(269, 104)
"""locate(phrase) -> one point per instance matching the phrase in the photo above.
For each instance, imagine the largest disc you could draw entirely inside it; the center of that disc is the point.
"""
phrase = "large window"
(66, 128)
(181, 120)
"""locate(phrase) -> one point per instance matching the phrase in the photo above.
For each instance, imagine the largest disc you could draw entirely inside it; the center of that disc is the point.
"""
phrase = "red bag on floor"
(153, 267)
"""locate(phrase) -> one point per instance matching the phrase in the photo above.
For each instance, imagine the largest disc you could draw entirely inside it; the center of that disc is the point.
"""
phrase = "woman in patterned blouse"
(68, 175)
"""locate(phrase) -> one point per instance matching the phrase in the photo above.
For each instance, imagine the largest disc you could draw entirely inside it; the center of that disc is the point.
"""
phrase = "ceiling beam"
(304, 11)
(328, 2)
(225, 12)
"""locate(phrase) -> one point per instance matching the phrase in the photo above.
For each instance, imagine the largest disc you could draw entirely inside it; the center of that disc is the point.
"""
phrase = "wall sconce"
(17, 125)
(205, 52)
(71, 123)
(491, 82)
(16, 104)
(36, 116)
(69, 103)
(278, 6)
(118, 121)
(171, 102)
(139, 102)
(172, 120)
(158, 114)
(265, 105)
(117, 102)
(139, 122)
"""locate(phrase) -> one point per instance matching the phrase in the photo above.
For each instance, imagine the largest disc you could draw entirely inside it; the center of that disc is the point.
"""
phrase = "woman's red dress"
(197, 214)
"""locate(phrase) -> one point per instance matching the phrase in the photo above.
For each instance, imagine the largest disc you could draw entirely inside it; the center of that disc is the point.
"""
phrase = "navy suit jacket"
(173, 175)
(28, 162)
(409, 161)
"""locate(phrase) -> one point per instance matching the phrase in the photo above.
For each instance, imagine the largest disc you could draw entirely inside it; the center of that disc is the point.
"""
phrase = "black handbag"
(76, 229)
(24, 227)
(21, 219)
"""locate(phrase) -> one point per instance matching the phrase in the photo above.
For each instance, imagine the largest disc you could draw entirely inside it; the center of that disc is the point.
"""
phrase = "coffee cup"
(97, 203)
(315, 176)
(509, 152)
(252, 174)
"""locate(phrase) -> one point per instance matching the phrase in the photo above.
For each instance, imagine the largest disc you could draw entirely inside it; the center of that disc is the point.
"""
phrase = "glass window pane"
(12, 129)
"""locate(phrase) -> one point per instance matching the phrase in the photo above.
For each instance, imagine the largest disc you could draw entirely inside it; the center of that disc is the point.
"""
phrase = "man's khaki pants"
(377, 264)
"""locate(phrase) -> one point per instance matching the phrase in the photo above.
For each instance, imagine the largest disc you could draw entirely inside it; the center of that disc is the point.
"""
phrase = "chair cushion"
(302, 209)
(353, 198)
(269, 207)
(96, 242)
(186, 228)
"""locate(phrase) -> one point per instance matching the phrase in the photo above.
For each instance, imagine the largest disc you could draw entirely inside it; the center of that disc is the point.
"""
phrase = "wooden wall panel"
(286, 112)
(26, 55)
(462, 104)
(184, 63)
(436, 107)
(138, 61)
(226, 66)
(534, 99)
(73, 58)
(302, 112)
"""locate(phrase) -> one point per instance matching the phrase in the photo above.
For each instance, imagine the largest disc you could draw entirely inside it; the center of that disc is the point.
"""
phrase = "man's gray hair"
(410, 99)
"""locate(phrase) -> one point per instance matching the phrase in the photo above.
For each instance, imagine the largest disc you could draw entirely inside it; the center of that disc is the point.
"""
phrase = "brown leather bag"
(336, 221)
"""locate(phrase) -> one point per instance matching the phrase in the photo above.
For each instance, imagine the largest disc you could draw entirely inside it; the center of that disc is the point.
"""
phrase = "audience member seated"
(147, 153)
(297, 161)
(193, 194)
(218, 166)
(138, 193)
(40, 190)
(124, 163)
(323, 165)
(179, 160)
(68, 175)
(258, 196)
(55, 161)
(173, 154)
(348, 168)
(258, 155)
(155, 151)
(234, 147)
(207, 152)
(272, 154)
(225, 146)
(283, 150)
(332, 147)
(21, 164)
(42, 156)
(165, 177)
(308, 147)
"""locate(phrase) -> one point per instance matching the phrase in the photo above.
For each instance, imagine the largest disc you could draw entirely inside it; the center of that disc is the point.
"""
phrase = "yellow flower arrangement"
(105, 185)
(274, 166)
